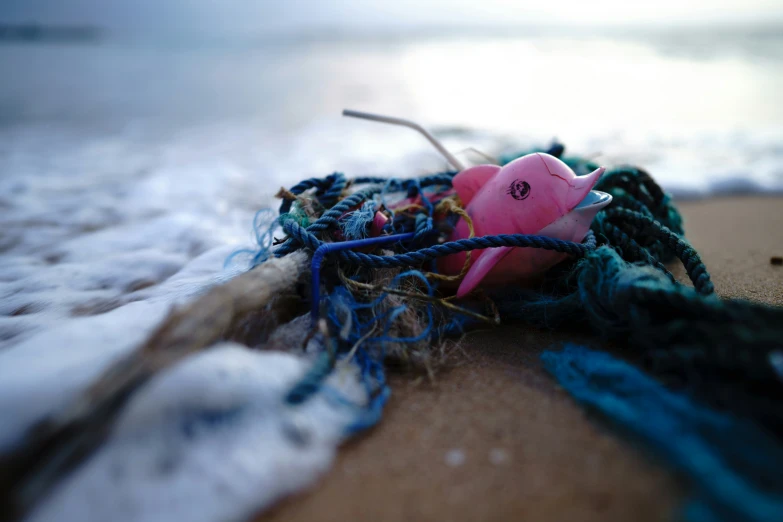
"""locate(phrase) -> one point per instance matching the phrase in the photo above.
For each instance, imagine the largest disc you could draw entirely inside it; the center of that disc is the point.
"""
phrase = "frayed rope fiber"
(735, 467)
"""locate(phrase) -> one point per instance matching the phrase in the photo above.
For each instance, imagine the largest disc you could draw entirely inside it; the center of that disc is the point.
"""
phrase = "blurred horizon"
(247, 19)
(689, 87)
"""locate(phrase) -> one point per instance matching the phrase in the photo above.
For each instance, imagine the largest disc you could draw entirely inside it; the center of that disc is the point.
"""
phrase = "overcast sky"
(247, 17)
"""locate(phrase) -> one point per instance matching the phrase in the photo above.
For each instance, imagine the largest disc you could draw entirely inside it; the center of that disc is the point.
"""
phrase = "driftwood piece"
(57, 444)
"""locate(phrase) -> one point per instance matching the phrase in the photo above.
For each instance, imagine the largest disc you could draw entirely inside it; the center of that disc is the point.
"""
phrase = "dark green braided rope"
(647, 226)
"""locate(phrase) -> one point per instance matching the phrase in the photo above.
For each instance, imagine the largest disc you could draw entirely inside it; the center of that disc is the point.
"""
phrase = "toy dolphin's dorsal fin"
(470, 181)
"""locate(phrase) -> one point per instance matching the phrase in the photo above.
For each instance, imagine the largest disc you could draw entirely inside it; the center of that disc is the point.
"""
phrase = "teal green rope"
(734, 467)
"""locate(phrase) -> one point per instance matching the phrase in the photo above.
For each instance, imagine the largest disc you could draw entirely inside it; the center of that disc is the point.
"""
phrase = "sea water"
(129, 171)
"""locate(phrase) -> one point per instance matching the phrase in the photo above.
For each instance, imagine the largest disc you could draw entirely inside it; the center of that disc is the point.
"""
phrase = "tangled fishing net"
(389, 302)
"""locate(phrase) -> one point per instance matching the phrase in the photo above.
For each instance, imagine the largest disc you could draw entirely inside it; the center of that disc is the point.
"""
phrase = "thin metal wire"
(457, 164)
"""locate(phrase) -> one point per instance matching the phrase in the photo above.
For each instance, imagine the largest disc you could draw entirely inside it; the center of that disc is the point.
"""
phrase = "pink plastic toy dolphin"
(535, 194)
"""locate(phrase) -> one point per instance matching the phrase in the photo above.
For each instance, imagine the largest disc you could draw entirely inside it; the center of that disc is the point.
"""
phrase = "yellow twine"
(453, 205)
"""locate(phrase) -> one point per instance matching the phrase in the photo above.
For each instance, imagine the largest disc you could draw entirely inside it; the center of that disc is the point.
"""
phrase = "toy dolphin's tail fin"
(470, 181)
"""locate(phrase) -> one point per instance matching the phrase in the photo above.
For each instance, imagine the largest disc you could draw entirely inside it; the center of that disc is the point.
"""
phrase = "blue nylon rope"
(302, 236)
(734, 466)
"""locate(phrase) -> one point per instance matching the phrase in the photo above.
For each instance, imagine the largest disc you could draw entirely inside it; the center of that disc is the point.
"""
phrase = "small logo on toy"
(519, 190)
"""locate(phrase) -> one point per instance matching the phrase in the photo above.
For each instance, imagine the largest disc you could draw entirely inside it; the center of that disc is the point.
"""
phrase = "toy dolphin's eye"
(519, 190)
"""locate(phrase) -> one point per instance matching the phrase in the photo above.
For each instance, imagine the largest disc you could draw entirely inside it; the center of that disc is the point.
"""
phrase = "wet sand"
(496, 439)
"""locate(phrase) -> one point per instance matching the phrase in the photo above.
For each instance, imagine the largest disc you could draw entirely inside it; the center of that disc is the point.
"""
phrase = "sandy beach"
(496, 438)
(141, 149)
